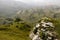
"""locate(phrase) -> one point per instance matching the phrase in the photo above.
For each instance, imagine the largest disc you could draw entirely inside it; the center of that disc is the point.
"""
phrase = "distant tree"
(9, 19)
(24, 27)
(54, 16)
(17, 20)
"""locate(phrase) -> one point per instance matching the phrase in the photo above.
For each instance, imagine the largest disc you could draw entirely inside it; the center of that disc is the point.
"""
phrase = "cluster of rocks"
(45, 30)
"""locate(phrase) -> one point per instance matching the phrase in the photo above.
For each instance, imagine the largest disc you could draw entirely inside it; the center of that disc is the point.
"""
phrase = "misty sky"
(38, 2)
(47, 2)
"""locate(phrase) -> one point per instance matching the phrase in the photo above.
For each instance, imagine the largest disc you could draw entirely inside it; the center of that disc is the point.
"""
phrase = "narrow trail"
(45, 30)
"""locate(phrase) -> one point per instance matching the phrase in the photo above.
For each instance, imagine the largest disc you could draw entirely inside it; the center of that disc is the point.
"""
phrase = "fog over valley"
(12, 7)
(29, 19)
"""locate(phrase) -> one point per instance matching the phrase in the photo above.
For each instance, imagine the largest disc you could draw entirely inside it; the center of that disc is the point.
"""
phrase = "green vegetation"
(15, 31)
(58, 27)
(19, 30)
(20, 27)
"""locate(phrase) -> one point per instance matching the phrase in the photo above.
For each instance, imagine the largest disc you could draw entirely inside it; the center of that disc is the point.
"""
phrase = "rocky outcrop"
(44, 30)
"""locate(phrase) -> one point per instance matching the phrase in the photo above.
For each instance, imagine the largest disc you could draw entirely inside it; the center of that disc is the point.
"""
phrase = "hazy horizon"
(41, 2)
(37, 2)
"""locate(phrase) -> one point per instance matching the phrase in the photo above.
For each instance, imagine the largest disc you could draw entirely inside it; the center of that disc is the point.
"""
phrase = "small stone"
(37, 25)
(49, 38)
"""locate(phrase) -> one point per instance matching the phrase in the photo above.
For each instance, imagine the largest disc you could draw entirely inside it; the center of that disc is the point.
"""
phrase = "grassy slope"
(11, 32)
(58, 27)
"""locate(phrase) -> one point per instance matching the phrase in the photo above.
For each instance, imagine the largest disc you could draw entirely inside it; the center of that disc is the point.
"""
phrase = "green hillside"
(20, 30)
(15, 31)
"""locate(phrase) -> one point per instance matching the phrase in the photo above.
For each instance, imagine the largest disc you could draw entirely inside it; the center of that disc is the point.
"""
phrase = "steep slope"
(10, 7)
(36, 13)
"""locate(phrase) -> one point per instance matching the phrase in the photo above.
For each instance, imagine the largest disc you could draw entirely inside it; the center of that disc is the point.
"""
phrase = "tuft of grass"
(15, 32)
